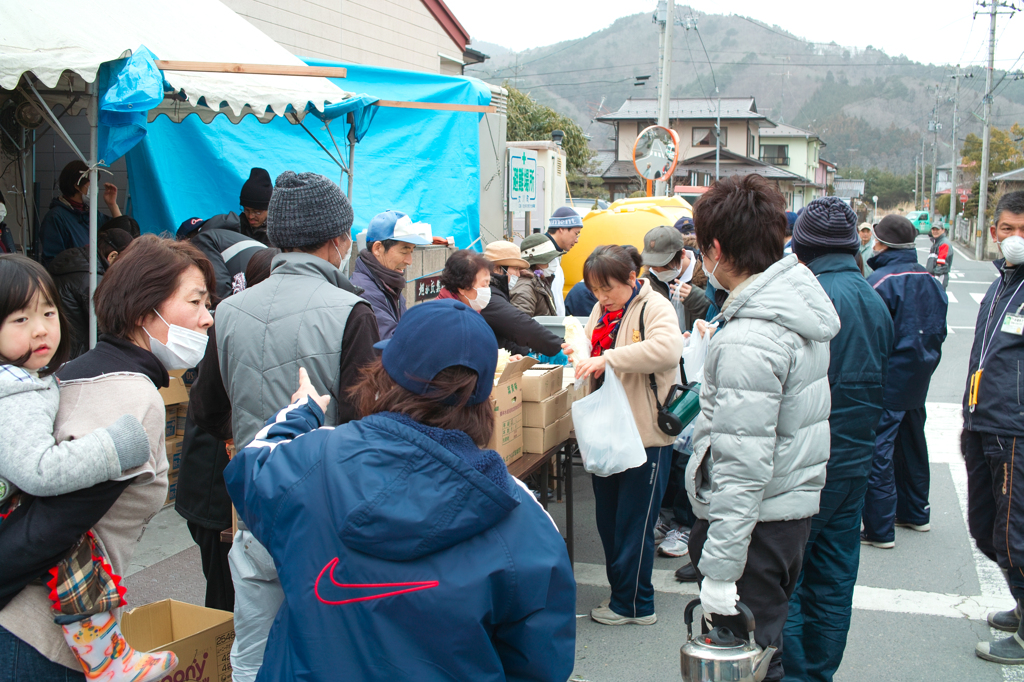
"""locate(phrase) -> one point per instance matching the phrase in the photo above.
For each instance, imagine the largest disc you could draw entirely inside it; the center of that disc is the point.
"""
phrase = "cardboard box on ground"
(200, 637)
(175, 398)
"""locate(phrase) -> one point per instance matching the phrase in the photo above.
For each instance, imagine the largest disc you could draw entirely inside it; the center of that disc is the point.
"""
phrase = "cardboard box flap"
(175, 392)
(162, 623)
(514, 369)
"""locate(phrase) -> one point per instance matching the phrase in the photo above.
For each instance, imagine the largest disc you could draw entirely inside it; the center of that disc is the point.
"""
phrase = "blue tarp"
(421, 162)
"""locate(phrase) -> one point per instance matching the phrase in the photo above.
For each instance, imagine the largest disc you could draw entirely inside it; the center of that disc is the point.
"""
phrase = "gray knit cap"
(306, 209)
(827, 222)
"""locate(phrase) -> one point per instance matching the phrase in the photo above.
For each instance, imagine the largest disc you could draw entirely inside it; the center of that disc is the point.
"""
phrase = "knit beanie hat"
(564, 217)
(307, 209)
(827, 223)
(257, 190)
(896, 232)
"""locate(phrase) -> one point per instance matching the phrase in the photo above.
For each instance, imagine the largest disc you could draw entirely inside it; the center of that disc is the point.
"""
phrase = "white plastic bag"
(577, 339)
(695, 352)
(605, 430)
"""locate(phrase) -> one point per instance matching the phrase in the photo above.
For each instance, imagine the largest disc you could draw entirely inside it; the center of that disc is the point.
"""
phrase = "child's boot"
(100, 647)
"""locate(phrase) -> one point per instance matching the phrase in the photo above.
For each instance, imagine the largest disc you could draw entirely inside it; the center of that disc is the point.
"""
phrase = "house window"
(705, 137)
(775, 154)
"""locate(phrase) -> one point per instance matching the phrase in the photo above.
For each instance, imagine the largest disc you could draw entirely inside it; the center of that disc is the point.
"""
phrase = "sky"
(937, 31)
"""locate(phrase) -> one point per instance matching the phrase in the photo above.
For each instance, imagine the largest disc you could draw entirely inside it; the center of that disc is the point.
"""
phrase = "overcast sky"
(937, 31)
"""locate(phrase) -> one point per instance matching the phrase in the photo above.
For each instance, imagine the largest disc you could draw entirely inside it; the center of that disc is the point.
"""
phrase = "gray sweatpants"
(258, 596)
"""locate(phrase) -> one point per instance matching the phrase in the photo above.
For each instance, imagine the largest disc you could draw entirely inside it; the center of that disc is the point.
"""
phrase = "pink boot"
(105, 655)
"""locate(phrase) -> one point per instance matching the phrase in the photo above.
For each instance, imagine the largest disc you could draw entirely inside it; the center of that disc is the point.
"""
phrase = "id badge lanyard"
(986, 346)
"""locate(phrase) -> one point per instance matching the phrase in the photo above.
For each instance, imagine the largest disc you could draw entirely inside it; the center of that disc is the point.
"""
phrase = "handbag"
(676, 412)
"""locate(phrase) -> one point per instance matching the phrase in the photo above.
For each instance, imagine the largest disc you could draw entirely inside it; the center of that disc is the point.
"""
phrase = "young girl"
(34, 341)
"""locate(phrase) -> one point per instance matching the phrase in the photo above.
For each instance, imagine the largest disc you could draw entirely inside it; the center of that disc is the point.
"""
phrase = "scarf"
(392, 283)
(607, 330)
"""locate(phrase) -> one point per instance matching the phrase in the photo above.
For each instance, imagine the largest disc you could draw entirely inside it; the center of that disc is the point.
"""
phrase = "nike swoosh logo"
(403, 587)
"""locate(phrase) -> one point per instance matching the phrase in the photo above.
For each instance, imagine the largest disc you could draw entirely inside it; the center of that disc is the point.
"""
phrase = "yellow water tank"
(624, 222)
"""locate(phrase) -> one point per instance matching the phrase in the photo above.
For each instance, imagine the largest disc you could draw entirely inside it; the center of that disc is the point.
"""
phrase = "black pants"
(774, 560)
(676, 498)
(220, 591)
(995, 500)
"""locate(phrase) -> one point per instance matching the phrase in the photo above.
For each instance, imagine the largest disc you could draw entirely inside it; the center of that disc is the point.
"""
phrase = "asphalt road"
(918, 609)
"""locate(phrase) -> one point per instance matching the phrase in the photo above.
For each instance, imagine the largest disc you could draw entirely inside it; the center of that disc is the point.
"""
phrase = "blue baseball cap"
(399, 227)
(434, 336)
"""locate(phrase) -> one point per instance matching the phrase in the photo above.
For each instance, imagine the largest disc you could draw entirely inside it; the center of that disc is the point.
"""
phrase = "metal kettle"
(721, 656)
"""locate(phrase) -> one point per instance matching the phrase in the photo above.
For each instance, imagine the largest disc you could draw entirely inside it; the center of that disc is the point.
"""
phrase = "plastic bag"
(695, 352)
(605, 430)
(577, 339)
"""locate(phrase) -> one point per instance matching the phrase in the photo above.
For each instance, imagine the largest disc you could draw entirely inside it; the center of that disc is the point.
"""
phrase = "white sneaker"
(605, 616)
(661, 531)
(922, 528)
(676, 543)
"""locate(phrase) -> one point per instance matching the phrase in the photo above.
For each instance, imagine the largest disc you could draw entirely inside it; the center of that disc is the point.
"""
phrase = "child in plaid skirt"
(84, 590)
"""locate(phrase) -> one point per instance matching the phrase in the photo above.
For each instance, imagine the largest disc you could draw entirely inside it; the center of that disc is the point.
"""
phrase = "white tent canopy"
(49, 37)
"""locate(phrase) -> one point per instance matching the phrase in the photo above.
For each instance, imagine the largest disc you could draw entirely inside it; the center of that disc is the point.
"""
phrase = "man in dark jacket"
(940, 258)
(899, 482)
(70, 271)
(580, 300)
(66, 224)
(254, 198)
(380, 268)
(517, 332)
(825, 240)
(229, 251)
(994, 424)
(6, 239)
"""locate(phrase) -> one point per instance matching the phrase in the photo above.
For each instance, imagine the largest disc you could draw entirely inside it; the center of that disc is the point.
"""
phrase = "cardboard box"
(539, 415)
(170, 420)
(537, 441)
(507, 404)
(175, 392)
(174, 453)
(540, 382)
(200, 637)
(180, 424)
(172, 488)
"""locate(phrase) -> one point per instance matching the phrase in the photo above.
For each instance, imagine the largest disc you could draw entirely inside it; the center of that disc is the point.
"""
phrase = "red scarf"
(603, 336)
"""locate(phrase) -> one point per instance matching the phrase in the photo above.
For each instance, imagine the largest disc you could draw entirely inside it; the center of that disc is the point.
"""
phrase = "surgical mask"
(554, 263)
(512, 279)
(1013, 250)
(183, 350)
(343, 265)
(667, 275)
(483, 297)
(711, 276)
(3, 212)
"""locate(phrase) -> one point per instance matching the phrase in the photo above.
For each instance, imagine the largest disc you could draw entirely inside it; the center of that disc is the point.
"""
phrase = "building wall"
(736, 137)
(803, 154)
(399, 34)
(627, 138)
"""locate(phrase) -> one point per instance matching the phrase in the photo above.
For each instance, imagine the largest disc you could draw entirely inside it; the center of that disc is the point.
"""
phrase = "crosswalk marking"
(951, 297)
(978, 298)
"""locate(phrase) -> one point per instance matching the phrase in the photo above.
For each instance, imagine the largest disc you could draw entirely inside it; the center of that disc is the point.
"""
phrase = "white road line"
(951, 297)
(978, 298)
(963, 254)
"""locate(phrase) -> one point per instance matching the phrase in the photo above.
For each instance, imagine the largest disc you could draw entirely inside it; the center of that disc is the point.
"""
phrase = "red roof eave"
(448, 22)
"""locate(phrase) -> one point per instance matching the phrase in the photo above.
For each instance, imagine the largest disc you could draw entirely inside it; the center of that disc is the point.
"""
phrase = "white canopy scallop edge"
(48, 37)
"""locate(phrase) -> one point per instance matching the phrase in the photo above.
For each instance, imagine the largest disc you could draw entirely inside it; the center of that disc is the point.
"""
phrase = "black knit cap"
(896, 232)
(257, 190)
(827, 223)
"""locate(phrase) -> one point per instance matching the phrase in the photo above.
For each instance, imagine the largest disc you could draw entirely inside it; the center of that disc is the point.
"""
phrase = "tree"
(1005, 150)
(529, 120)
(890, 189)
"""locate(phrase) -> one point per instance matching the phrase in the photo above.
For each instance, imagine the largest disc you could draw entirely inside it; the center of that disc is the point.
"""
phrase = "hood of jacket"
(787, 293)
(414, 490)
(75, 260)
(307, 265)
(15, 380)
(500, 283)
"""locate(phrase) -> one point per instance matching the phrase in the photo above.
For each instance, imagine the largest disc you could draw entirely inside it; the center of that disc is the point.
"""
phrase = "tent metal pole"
(351, 151)
(93, 208)
(54, 120)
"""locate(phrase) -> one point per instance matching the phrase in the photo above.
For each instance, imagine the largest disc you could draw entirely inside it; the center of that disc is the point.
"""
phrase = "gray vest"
(295, 318)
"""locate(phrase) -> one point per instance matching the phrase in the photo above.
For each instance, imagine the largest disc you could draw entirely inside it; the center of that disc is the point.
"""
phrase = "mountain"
(870, 108)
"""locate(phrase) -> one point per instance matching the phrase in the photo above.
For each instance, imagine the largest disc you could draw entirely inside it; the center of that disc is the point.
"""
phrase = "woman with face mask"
(531, 292)
(153, 317)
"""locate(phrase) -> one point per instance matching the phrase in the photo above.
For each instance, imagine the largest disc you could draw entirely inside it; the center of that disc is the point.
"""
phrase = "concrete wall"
(400, 34)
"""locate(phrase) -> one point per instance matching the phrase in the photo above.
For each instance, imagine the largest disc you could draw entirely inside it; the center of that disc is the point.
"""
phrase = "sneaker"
(676, 543)
(922, 528)
(604, 615)
(661, 531)
(880, 544)
(1009, 651)
(1007, 621)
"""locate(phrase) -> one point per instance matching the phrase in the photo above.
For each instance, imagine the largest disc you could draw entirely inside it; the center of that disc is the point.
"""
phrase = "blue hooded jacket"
(917, 305)
(1000, 409)
(405, 553)
(64, 227)
(858, 365)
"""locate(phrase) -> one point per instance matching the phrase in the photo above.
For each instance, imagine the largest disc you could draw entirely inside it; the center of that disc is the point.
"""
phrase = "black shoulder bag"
(668, 422)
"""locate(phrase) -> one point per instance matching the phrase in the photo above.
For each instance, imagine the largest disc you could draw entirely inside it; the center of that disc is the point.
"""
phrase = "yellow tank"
(624, 222)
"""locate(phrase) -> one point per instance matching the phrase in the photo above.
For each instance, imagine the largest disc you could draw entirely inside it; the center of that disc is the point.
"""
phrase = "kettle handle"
(748, 617)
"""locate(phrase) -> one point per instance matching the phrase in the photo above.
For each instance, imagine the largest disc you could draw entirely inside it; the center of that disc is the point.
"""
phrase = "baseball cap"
(399, 227)
(661, 244)
(434, 336)
(188, 227)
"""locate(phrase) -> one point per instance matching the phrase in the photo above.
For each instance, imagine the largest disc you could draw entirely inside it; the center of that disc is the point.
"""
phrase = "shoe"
(922, 528)
(880, 544)
(676, 543)
(686, 573)
(661, 532)
(1009, 651)
(1007, 621)
(604, 615)
(102, 651)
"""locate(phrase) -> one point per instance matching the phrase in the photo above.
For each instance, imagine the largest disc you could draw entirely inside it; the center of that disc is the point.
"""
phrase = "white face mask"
(483, 297)
(512, 279)
(554, 263)
(667, 275)
(183, 350)
(711, 276)
(343, 265)
(3, 212)
(1013, 249)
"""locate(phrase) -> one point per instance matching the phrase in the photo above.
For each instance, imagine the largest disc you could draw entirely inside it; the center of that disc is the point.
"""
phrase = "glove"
(718, 596)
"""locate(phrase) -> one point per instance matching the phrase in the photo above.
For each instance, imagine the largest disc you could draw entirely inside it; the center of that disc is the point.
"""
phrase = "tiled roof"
(603, 159)
(691, 108)
(620, 169)
(785, 130)
(1014, 175)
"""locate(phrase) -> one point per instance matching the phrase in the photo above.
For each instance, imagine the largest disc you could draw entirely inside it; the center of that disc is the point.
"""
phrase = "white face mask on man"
(1012, 249)
(668, 275)
(183, 350)
(343, 262)
(711, 276)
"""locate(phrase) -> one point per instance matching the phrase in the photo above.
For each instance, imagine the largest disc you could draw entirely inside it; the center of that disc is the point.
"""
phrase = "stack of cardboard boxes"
(574, 393)
(176, 405)
(546, 417)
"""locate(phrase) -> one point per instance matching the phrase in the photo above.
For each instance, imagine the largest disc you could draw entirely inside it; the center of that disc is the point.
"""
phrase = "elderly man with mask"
(380, 268)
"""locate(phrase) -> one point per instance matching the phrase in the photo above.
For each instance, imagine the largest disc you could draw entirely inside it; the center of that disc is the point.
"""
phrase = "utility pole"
(917, 169)
(665, 88)
(924, 169)
(982, 233)
(954, 197)
(935, 127)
